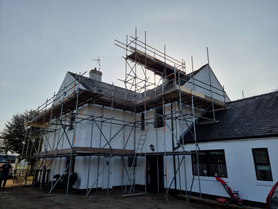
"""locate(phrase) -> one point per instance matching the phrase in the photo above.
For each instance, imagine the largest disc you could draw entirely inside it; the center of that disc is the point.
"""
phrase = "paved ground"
(17, 196)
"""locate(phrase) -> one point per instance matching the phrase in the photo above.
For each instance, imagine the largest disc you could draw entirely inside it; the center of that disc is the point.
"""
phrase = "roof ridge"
(197, 71)
(253, 97)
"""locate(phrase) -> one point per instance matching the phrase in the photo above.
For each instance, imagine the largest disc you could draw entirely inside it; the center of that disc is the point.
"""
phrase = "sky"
(41, 40)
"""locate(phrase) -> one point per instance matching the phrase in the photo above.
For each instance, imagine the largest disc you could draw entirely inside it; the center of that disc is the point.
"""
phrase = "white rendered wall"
(56, 166)
(88, 133)
(207, 76)
(96, 134)
(240, 169)
(68, 87)
(163, 141)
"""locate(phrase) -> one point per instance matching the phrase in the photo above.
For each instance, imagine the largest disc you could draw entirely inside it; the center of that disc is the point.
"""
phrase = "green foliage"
(2, 146)
(21, 139)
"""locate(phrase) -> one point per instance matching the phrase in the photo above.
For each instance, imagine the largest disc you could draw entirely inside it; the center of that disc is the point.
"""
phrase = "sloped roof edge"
(252, 117)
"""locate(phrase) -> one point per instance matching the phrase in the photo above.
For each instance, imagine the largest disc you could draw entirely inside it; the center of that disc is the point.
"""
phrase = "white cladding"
(207, 83)
(68, 86)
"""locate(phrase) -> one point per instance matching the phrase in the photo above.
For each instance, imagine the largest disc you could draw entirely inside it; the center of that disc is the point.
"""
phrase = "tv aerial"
(98, 62)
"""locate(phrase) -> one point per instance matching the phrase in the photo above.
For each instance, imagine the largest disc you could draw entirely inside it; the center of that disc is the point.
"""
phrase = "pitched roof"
(130, 100)
(91, 84)
(247, 118)
(105, 88)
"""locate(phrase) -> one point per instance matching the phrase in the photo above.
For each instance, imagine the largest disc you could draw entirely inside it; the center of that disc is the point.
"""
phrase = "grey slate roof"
(247, 118)
(105, 88)
(122, 93)
(90, 84)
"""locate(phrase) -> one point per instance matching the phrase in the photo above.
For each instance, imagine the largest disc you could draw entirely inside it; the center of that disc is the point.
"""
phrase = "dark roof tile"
(251, 117)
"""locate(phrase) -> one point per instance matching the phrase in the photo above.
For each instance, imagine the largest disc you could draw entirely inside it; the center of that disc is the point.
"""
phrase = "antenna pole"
(98, 62)
(208, 55)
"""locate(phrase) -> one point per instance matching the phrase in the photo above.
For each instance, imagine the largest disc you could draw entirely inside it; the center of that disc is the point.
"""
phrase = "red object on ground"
(221, 200)
(233, 194)
(269, 196)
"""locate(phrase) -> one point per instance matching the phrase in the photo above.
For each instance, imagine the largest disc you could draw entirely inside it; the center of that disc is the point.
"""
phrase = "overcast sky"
(41, 40)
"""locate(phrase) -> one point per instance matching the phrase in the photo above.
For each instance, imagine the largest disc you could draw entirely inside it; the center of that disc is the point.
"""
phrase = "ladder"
(131, 171)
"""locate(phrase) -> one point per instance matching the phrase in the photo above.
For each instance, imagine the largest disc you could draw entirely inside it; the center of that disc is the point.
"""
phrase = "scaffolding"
(141, 97)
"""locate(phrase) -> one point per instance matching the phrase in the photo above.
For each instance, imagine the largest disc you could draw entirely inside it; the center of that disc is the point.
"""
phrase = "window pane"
(2, 159)
(142, 121)
(159, 117)
(264, 175)
(262, 165)
(216, 157)
(202, 157)
(211, 163)
(202, 169)
(213, 170)
(261, 156)
(12, 159)
(218, 170)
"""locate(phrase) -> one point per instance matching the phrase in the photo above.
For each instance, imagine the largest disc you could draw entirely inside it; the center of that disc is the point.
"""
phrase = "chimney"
(94, 74)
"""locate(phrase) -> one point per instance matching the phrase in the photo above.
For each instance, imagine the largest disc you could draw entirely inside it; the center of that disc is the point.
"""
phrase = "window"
(72, 119)
(211, 163)
(142, 121)
(262, 165)
(158, 117)
(3, 158)
(132, 162)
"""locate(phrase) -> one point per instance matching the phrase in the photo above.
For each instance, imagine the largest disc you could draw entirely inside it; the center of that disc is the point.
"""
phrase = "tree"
(4, 147)
(19, 138)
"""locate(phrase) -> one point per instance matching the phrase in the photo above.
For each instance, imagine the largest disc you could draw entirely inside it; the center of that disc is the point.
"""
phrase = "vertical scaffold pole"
(74, 135)
(210, 88)
(110, 147)
(145, 129)
(135, 154)
(91, 145)
(173, 142)
(100, 139)
(145, 113)
(163, 119)
(164, 137)
(156, 147)
(123, 165)
(49, 126)
(195, 138)
(59, 131)
(126, 65)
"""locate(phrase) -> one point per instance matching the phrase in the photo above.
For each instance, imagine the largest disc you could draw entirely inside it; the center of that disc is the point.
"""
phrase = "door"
(155, 173)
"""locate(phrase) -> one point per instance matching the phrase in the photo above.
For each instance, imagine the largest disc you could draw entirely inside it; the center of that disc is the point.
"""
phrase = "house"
(113, 136)
(241, 148)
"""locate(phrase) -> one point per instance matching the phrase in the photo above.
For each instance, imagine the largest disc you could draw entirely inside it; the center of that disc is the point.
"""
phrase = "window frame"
(159, 117)
(142, 121)
(5, 157)
(72, 121)
(207, 163)
(130, 161)
(258, 164)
